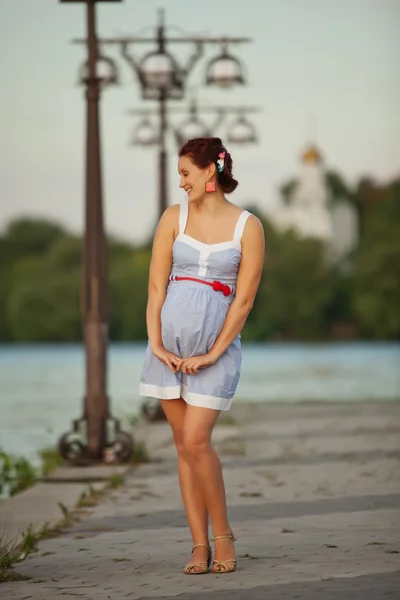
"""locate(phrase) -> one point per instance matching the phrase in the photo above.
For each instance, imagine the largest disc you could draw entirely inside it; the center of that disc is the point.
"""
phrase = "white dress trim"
(183, 217)
(163, 393)
(183, 237)
(207, 249)
(204, 401)
(203, 261)
(180, 391)
(240, 225)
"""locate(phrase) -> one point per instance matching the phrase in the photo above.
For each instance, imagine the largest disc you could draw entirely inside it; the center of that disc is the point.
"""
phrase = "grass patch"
(59, 527)
(11, 552)
(133, 419)
(29, 541)
(88, 499)
(91, 496)
(140, 454)
(51, 460)
(16, 474)
(68, 519)
(64, 509)
(115, 481)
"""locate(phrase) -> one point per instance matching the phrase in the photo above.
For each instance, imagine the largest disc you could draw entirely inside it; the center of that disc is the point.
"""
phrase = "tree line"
(301, 296)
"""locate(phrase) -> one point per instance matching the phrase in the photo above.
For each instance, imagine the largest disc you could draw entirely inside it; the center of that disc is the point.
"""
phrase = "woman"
(205, 270)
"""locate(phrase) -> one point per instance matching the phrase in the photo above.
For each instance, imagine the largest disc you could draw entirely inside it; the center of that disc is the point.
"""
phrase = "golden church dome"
(311, 155)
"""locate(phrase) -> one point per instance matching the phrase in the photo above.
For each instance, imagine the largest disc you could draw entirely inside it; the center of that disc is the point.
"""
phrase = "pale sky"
(331, 62)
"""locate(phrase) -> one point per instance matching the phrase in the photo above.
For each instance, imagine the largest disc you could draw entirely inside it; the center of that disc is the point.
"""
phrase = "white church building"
(310, 212)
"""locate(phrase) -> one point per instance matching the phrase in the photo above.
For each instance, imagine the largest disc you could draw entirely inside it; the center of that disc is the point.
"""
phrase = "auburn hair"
(203, 151)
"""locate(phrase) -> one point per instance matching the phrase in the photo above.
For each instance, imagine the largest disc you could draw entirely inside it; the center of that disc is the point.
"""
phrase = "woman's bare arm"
(250, 270)
(160, 268)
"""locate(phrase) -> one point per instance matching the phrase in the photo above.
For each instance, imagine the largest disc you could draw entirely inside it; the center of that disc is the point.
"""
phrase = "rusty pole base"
(118, 449)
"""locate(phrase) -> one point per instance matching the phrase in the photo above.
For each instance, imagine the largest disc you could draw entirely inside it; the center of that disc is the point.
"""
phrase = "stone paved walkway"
(314, 497)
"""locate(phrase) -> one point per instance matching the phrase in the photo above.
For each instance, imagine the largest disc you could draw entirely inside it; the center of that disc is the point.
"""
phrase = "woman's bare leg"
(175, 411)
(206, 466)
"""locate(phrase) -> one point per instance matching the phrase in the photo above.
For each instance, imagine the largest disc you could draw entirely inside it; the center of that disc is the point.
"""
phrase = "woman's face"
(192, 179)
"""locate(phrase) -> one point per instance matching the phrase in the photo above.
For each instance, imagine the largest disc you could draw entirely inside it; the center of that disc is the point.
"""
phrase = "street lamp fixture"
(242, 132)
(192, 128)
(225, 71)
(159, 74)
(145, 134)
(159, 71)
(106, 70)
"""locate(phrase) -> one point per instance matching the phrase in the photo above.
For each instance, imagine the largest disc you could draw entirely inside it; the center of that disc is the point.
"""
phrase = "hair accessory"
(221, 161)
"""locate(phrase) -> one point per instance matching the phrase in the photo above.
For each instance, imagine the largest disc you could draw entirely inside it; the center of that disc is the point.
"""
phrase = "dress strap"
(183, 216)
(241, 222)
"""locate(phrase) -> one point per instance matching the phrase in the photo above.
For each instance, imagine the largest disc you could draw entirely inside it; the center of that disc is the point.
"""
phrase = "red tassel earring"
(210, 186)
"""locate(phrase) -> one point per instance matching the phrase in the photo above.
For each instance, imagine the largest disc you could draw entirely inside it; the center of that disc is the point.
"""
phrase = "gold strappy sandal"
(204, 566)
(224, 566)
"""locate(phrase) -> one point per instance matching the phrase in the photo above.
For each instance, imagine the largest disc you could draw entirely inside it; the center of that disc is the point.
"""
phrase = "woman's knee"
(178, 441)
(180, 448)
(194, 444)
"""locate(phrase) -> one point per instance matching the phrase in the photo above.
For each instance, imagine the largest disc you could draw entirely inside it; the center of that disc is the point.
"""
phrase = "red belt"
(217, 286)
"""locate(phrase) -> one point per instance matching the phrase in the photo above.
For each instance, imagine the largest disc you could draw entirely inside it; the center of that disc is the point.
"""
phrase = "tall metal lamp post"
(96, 430)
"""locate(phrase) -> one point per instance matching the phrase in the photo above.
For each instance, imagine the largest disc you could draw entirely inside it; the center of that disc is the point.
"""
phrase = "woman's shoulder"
(233, 210)
(238, 210)
(170, 215)
(253, 227)
(172, 211)
(169, 221)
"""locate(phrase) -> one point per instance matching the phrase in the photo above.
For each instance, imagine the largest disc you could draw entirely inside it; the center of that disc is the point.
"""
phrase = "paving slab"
(85, 474)
(43, 504)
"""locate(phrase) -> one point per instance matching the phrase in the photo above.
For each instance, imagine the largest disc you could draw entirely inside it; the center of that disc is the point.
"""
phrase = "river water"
(41, 386)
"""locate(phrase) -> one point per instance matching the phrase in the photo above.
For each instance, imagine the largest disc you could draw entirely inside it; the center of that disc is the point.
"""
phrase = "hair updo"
(203, 151)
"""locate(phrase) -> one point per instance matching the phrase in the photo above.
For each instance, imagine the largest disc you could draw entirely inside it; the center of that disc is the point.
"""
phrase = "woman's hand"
(190, 366)
(168, 358)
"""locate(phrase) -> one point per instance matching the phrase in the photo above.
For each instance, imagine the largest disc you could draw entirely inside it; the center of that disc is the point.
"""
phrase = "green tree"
(376, 275)
(338, 188)
(30, 236)
(295, 289)
(287, 189)
(129, 283)
(43, 304)
(65, 254)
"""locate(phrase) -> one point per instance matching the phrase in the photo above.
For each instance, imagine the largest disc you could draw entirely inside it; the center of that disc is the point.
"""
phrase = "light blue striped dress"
(192, 317)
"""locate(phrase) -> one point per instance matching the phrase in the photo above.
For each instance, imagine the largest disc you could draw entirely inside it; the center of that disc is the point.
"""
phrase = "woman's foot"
(225, 557)
(200, 560)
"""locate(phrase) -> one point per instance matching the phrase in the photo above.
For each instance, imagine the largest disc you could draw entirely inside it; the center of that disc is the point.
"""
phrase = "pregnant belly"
(192, 318)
